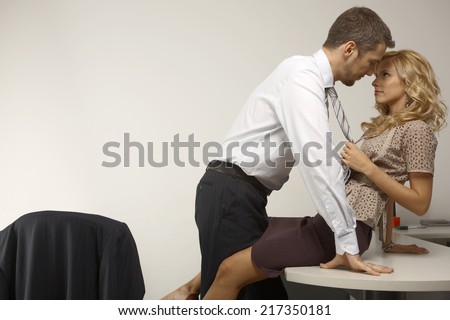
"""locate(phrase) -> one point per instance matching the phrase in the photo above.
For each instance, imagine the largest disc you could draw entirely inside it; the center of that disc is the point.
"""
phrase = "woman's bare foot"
(182, 293)
(188, 291)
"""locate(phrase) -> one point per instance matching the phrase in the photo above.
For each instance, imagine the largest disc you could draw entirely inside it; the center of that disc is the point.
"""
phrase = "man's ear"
(350, 48)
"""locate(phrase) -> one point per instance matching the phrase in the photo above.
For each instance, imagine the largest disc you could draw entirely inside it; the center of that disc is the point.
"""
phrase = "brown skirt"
(298, 242)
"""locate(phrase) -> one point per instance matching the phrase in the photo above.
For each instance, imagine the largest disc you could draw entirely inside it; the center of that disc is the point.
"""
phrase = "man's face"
(357, 66)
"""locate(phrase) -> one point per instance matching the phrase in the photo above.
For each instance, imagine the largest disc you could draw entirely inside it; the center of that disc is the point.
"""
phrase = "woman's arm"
(416, 198)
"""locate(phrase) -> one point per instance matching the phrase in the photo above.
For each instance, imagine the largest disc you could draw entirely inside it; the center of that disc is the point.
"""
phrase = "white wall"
(77, 74)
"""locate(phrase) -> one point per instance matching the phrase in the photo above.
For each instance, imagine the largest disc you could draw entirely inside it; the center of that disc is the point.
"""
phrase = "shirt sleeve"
(419, 147)
(303, 115)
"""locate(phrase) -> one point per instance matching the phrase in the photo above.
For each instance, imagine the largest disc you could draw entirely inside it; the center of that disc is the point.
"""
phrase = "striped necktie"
(339, 112)
(342, 120)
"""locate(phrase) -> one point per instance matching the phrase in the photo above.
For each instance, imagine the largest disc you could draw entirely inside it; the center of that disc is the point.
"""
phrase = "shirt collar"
(324, 67)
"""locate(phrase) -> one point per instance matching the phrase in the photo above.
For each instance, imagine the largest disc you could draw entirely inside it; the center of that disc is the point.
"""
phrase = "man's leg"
(230, 215)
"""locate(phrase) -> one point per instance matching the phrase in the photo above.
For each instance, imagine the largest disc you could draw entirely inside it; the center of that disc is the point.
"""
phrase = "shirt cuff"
(347, 243)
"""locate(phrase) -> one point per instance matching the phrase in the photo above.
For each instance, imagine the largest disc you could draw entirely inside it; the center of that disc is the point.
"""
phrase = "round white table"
(428, 272)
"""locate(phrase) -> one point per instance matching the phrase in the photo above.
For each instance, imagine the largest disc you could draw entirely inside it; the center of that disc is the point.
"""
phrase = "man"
(285, 120)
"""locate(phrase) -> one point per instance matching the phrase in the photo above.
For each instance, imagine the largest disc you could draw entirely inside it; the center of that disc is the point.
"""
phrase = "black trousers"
(231, 215)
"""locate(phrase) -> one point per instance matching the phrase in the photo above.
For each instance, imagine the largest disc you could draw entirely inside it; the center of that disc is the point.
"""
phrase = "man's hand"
(355, 263)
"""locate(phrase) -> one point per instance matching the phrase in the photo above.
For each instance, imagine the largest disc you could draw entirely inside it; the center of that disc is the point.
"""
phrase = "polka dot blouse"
(406, 148)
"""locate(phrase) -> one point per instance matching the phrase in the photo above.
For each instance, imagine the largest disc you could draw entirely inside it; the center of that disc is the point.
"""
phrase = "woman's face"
(390, 88)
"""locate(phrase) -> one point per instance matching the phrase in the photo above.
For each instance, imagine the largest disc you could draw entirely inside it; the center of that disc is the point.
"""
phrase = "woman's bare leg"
(234, 273)
(188, 291)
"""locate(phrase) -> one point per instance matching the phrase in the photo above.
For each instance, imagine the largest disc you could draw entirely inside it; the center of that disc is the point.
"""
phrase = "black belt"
(235, 171)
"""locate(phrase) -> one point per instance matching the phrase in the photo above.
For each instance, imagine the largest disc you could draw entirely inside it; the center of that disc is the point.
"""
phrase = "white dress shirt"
(286, 119)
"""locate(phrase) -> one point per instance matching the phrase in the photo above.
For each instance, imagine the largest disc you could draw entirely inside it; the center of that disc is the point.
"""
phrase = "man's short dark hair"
(361, 25)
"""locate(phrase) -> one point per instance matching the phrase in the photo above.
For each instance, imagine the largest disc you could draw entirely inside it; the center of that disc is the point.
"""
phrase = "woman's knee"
(227, 270)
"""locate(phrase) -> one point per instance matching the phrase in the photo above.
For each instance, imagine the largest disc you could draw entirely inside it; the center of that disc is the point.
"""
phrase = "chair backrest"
(69, 255)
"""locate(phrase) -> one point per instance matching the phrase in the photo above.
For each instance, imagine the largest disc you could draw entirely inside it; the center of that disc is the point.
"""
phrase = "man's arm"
(304, 117)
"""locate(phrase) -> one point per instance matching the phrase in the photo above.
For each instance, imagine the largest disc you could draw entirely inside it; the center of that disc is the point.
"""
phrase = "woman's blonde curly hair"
(423, 94)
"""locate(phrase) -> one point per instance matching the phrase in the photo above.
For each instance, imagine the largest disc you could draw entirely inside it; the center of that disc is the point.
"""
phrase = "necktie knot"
(332, 92)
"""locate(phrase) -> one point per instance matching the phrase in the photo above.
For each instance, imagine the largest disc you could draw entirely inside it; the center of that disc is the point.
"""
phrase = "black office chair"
(69, 255)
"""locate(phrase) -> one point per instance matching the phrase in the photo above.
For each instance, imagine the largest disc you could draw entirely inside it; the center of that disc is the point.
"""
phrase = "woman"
(399, 145)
